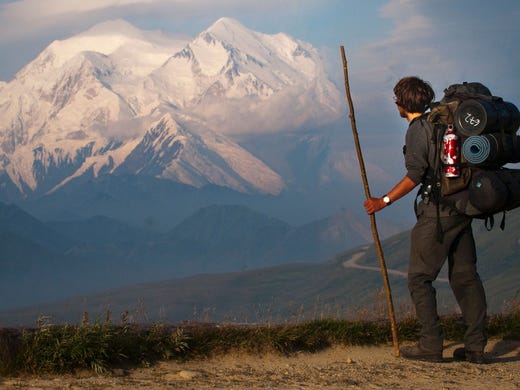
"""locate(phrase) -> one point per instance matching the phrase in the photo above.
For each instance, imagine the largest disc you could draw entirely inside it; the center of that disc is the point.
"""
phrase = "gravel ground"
(342, 367)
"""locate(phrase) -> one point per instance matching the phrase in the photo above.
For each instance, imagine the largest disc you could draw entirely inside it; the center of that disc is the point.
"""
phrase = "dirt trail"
(353, 262)
(342, 367)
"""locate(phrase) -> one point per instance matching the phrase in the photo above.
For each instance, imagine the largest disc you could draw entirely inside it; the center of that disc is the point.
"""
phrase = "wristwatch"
(387, 200)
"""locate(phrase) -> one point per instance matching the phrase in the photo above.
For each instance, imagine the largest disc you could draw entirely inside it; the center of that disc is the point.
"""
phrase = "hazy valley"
(255, 269)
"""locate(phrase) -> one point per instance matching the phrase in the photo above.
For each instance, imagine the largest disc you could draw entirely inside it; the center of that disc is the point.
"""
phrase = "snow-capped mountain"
(116, 99)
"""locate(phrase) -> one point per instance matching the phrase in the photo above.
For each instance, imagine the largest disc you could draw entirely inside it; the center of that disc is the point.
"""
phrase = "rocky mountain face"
(118, 100)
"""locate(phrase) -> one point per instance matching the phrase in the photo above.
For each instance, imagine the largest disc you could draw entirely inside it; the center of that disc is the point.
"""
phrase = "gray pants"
(427, 256)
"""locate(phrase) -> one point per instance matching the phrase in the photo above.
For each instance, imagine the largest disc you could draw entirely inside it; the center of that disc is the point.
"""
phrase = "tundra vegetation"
(103, 345)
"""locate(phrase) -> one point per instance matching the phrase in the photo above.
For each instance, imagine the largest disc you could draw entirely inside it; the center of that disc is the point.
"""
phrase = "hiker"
(428, 253)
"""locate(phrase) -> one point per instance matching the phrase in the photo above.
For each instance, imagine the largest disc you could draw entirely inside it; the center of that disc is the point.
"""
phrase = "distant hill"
(44, 261)
(14, 220)
(295, 291)
(33, 273)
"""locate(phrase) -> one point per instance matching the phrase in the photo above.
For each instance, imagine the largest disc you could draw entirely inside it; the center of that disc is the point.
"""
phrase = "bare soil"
(340, 367)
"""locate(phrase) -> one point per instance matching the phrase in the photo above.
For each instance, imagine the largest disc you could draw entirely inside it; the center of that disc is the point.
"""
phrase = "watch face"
(386, 199)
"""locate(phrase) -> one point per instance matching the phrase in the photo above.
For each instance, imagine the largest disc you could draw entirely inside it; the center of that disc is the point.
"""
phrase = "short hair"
(413, 94)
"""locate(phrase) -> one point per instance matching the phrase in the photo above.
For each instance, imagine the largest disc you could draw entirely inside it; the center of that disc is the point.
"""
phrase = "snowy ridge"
(171, 151)
(116, 99)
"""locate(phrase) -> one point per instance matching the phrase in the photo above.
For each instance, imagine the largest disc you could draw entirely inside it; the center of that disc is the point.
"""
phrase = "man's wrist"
(387, 200)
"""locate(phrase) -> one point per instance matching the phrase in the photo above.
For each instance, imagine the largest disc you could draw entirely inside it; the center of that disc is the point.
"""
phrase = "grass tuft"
(103, 346)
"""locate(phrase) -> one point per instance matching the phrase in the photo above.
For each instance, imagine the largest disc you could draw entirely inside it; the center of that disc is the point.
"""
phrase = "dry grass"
(103, 345)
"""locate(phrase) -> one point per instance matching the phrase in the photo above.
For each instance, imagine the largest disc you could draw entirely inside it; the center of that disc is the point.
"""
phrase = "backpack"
(486, 126)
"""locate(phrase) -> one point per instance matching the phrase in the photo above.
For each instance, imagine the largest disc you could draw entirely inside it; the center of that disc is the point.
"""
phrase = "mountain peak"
(123, 42)
(229, 30)
(119, 26)
(226, 24)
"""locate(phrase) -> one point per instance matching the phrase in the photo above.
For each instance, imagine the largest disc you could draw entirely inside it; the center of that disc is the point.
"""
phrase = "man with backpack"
(440, 233)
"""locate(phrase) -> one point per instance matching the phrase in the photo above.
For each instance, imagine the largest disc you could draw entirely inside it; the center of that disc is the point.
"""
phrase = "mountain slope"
(170, 151)
(29, 268)
(18, 222)
(225, 224)
(100, 230)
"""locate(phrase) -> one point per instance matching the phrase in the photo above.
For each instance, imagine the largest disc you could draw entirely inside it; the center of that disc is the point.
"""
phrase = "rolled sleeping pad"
(492, 149)
(477, 116)
(476, 149)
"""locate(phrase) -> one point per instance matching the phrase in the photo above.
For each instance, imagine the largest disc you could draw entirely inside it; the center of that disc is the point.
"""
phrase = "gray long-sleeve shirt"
(420, 149)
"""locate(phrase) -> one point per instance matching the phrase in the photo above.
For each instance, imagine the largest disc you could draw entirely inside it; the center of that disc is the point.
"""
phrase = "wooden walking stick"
(377, 242)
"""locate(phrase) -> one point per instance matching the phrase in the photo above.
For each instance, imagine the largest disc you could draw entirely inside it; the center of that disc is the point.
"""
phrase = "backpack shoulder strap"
(433, 178)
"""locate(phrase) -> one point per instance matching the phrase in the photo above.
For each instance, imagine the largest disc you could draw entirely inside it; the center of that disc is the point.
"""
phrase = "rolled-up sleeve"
(416, 156)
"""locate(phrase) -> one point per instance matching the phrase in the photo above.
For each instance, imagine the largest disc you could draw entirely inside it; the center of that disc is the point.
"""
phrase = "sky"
(442, 41)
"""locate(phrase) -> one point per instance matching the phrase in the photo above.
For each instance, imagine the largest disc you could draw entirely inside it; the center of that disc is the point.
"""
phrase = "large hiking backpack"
(486, 126)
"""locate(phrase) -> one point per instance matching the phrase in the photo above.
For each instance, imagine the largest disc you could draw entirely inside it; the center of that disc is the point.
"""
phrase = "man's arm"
(402, 188)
